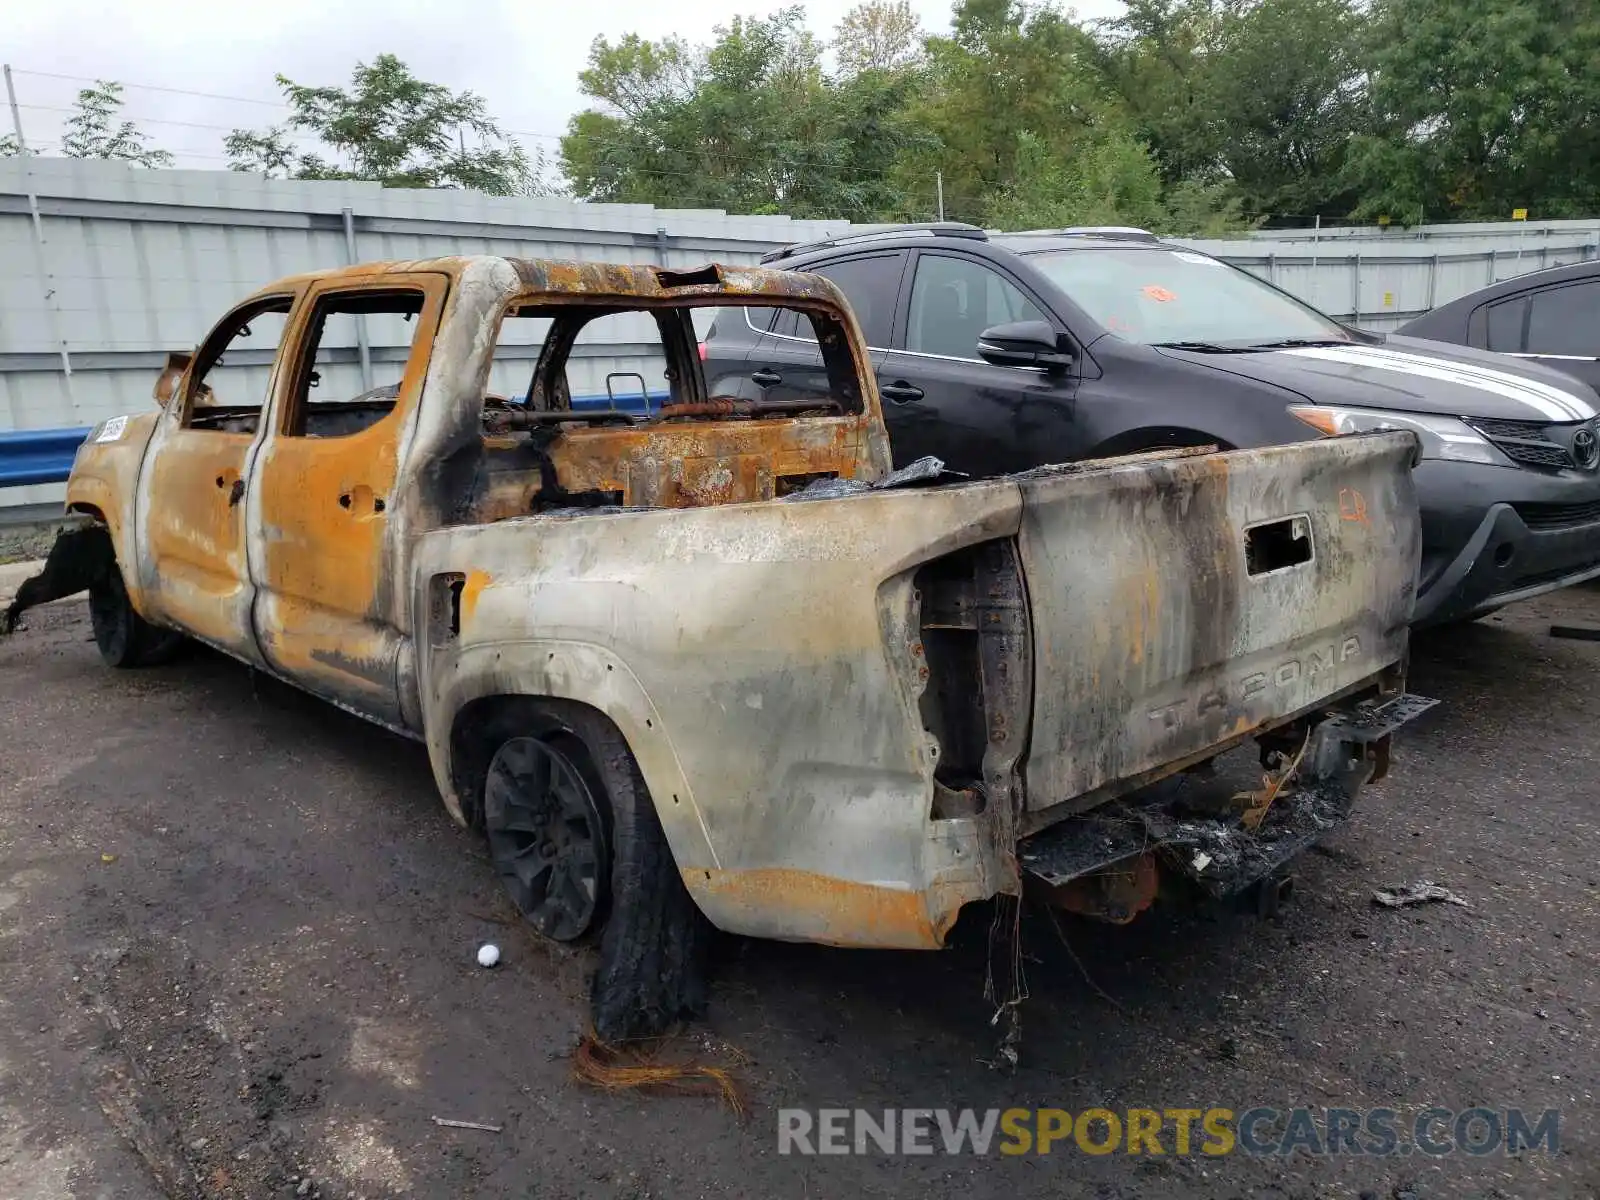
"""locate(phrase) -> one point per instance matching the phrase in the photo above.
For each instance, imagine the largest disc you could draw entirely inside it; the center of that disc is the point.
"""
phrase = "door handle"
(901, 392)
(766, 378)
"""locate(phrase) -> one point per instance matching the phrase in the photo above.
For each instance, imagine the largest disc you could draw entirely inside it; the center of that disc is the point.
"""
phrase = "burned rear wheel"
(574, 834)
(547, 836)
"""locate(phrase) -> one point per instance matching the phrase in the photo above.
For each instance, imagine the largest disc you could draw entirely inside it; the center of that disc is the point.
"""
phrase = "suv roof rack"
(1119, 233)
(957, 229)
(1111, 232)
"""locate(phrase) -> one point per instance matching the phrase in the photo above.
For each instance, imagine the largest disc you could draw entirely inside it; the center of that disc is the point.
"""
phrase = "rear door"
(1564, 329)
(1558, 326)
(940, 398)
(331, 609)
(1180, 604)
(786, 363)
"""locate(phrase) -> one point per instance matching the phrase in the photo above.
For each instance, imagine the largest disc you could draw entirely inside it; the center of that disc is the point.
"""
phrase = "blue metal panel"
(38, 455)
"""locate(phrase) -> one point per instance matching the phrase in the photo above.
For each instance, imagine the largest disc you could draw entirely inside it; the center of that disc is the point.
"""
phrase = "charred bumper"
(1106, 862)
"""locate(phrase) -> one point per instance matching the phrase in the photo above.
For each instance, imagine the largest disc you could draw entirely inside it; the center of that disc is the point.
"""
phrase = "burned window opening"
(351, 337)
(229, 397)
(666, 357)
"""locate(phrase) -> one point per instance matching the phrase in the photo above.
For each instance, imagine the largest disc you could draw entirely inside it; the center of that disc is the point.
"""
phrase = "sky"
(192, 71)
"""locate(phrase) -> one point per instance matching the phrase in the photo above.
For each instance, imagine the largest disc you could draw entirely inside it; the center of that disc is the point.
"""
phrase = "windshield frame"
(1334, 331)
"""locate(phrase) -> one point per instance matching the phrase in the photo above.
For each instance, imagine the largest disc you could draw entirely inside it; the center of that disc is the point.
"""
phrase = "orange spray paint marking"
(1352, 505)
(1158, 293)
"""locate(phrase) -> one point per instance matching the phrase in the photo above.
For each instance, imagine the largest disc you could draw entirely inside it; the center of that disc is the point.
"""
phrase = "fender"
(586, 674)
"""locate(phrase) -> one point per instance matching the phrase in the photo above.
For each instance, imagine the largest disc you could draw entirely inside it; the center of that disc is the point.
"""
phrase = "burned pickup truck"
(716, 663)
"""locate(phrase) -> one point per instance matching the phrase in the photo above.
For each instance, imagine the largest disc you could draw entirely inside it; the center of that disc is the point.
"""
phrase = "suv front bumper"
(1480, 551)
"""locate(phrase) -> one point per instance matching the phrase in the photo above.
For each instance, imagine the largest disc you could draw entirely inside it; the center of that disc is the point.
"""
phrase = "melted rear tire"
(654, 940)
(126, 639)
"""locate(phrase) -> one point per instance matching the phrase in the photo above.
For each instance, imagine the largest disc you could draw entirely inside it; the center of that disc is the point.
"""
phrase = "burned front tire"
(574, 836)
(124, 637)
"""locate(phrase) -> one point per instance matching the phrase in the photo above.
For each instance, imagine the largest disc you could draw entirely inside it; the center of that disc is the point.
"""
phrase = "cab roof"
(595, 281)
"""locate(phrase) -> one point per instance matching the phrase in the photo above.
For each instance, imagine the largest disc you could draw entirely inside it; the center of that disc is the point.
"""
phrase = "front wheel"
(574, 836)
(125, 639)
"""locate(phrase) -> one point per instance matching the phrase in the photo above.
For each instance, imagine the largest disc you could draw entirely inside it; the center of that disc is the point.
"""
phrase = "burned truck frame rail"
(721, 660)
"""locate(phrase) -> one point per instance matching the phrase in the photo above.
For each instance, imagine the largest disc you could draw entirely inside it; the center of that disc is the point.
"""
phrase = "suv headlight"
(1441, 437)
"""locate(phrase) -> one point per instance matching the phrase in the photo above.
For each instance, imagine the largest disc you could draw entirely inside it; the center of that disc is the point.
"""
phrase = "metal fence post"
(1355, 316)
(1433, 279)
(46, 280)
(361, 318)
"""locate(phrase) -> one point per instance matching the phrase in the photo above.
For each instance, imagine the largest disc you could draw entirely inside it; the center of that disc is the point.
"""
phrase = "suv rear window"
(1155, 296)
(1565, 320)
(870, 284)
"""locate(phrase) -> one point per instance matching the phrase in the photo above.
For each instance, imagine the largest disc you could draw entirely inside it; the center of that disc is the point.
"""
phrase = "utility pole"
(938, 180)
(52, 306)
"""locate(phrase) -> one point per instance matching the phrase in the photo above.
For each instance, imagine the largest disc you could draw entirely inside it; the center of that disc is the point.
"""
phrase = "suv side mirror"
(1023, 344)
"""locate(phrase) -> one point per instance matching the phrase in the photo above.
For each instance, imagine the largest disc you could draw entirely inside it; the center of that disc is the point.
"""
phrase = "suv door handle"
(901, 392)
(766, 378)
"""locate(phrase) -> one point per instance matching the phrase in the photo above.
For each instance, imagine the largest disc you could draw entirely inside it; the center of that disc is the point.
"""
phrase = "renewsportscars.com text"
(1214, 1131)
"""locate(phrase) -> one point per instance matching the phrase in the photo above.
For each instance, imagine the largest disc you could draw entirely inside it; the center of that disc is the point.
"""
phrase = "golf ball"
(488, 954)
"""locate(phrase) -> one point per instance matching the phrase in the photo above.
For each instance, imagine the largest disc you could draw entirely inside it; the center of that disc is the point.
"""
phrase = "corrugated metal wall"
(122, 265)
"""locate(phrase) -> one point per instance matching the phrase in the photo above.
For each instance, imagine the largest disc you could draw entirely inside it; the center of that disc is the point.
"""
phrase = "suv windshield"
(1159, 296)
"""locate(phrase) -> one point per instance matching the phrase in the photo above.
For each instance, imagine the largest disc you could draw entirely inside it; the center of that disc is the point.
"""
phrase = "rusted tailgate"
(1157, 635)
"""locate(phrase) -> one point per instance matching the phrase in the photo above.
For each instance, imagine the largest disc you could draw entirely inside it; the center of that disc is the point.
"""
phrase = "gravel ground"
(26, 543)
(237, 935)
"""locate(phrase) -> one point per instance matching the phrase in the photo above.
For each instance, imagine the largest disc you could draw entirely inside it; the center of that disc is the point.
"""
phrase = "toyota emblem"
(1586, 448)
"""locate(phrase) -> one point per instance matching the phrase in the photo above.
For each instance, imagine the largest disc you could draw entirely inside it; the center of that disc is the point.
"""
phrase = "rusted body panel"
(760, 660)
(105, 481)
(847, 711)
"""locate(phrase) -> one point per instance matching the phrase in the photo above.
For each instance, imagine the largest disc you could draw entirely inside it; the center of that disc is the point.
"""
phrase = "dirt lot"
(237, 935)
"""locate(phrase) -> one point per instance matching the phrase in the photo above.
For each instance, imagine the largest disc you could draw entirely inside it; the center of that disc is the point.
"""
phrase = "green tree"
(1006, 70)
(1479, 107)
(393, 128)
(1156, 57)
(93, 131)
(1113, 181)
(749, 123)
(1285, 89)
(880, 35)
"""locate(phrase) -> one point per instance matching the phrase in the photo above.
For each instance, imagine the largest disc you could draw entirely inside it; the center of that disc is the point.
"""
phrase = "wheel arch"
(1156, 437)
(474, 684)
(475, 735)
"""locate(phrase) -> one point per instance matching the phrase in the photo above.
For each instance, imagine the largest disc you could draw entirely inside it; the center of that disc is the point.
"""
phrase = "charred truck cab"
(720, 663)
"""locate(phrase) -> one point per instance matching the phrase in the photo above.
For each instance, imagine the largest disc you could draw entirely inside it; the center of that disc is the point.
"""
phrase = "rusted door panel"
(1175, 608)
(331, 611)
(193, 567)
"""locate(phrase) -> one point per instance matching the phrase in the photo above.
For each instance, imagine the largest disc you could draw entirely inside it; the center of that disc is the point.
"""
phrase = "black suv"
(999, 352)
(1550, 316)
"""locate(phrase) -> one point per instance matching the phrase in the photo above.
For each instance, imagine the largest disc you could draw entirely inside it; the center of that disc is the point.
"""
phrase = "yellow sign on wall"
(1519, 214)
